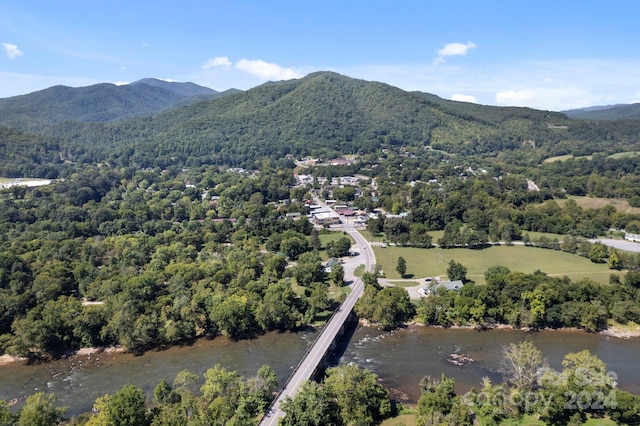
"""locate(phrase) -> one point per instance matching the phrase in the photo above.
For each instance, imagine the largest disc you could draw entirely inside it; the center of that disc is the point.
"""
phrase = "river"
(400, 358)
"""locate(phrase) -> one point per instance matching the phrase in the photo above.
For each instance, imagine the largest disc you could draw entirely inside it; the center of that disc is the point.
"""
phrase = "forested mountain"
(323, 114)
(607, 112)
(184, 89)
(98, 103)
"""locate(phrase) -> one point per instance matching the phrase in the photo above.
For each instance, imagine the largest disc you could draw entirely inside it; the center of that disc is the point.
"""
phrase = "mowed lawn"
(423, 263)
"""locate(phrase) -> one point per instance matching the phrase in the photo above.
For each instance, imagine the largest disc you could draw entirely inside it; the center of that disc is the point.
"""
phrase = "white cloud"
(464, 98)
(454, 49)
(267, 70)
(516, 97)
(550, 85)
(11, 50)
(219, 62)
(551, 98)
(121, 83)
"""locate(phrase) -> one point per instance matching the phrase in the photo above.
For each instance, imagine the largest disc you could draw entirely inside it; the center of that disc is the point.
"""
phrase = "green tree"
(339, 247)
(312, 406)
(359, 396)
(314, 240)
(436, 396)
(438, 403)
(401, 266)
(161, 392)
(598, 252)
(40, 410)
(392, 308)
(457, 271)
(6, 418)
(127, 407)
(293, 247)
(337, 275)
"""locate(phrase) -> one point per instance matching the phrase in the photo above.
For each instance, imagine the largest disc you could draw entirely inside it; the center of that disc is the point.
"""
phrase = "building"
(330, 264)
(632, 237)
(325, 217)
(433, 285)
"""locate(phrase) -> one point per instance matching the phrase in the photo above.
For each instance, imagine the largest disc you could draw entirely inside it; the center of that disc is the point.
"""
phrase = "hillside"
(324, 115)
(607, 112)
(98, 103)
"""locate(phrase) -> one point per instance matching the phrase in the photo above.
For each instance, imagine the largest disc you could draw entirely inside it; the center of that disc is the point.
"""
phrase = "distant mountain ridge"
(185, 89)
(102, 102)
(323, 115)
(607, 112)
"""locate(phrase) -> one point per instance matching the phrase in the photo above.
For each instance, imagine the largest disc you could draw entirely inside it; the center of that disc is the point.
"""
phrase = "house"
(330, 264)
(432, 285)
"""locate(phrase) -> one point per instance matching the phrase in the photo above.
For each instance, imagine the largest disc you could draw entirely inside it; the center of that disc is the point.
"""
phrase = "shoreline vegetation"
(620, 332)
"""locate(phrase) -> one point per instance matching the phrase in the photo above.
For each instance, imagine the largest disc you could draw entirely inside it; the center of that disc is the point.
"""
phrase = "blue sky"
(556, 55)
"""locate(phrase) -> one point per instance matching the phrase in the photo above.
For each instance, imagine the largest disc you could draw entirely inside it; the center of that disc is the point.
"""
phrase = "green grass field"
(618, 155)
(536, 235)
(371, 237)
(626, 154)
(620, 204)
(565, 157)
(401, 420)
(434, 262)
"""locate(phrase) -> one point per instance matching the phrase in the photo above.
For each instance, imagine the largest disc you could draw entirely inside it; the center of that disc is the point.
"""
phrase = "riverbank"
(619, 331)
(616, 330)
(9, 359)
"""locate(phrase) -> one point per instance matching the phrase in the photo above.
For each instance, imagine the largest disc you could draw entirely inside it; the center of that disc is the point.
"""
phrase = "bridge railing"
(303, 359)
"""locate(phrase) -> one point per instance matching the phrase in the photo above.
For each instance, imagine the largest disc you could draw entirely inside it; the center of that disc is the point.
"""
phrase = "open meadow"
(423, 263)
(621, 205)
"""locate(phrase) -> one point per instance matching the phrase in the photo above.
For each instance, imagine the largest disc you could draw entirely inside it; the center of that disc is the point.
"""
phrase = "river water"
(400, 358)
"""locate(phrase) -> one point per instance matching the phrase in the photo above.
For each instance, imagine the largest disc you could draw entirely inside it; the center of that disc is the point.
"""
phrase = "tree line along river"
(400, 358)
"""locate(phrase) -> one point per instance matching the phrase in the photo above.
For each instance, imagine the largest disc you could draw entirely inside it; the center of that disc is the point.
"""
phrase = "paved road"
(320, 347)
(619, 244)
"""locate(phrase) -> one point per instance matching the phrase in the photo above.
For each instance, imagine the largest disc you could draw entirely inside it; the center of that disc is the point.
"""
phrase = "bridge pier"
(332, 357)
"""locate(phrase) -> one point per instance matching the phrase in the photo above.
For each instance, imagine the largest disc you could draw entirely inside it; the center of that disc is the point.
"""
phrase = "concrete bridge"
(315, 357)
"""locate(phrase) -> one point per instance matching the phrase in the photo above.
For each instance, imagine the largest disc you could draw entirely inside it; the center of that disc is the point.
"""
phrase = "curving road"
(316, 354)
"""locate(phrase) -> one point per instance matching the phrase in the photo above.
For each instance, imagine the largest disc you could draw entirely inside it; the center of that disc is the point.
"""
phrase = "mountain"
(324, 115)
(184, 89)
(321, 114)
(607, 112)
(98, 103)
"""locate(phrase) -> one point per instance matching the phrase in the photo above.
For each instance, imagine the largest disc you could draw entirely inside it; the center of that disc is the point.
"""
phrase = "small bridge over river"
(315, 357)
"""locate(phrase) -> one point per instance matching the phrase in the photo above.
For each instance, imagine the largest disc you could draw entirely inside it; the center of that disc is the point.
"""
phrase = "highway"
(316, 354)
